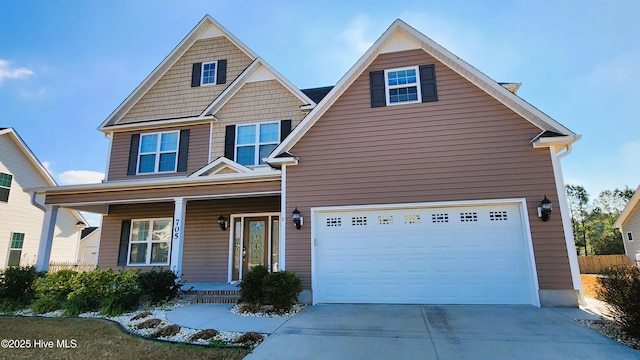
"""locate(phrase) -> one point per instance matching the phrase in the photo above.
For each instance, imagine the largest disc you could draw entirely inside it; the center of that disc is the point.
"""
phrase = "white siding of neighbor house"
(88, 248)
(632, 224)
(19, 215)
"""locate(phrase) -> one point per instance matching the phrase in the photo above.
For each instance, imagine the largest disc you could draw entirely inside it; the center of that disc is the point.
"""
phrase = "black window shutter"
(221, 72)
(133, 154)
(230, 142)
(428, 83)
(196, 74)
(183, 151)
(123, 250)
(376, 84)
(285, 129)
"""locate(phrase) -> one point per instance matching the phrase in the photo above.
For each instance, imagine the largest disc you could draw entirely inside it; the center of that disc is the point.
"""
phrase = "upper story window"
(255, 142)
(406, 85)
(149, 242)
(158, 152)
(208, 73)
(629, 236)
(5, 186)
(402, 85)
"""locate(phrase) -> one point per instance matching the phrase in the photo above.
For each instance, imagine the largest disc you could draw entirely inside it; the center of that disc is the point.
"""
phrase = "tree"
(578, 203)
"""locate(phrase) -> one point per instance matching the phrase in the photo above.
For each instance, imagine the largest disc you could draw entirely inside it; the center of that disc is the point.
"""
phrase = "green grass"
(96, 339)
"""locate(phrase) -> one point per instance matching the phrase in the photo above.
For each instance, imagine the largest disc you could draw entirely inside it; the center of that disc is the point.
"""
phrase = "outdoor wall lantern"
(545, 208)
(223, 223)
(298, 220)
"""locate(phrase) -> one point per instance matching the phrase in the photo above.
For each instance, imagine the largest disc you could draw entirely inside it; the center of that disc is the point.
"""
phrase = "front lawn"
(92, 339)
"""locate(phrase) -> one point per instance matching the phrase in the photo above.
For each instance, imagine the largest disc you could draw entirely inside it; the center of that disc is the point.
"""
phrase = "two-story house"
(22, 213)
(415, 179)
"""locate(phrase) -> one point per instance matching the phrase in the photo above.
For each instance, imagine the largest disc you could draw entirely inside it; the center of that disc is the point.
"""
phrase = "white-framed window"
(255, 142)
(629, 236)
(158, 152)
(15, 249)
(150, 242)
(402, 85)
(208, 74)
(5, 186)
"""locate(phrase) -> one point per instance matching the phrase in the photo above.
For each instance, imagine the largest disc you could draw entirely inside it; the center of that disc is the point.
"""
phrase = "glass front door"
(255, 242)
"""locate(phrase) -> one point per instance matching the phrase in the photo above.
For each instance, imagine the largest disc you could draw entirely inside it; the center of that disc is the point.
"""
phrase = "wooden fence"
(593, 264)
(55, 266)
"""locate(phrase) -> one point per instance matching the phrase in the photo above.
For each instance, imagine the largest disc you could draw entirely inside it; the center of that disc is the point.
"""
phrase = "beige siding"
(466, 146)
(164, 193)
(172, 96)
(19, 215)
(206, 246)
(632, 224)
(198, 152)
(256, 102)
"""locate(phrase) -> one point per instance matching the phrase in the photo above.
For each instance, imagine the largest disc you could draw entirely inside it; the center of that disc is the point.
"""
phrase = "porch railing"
(81, 267)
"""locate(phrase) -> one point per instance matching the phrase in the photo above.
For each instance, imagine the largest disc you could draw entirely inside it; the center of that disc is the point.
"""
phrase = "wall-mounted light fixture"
(298, 220)
(223, 223)
(545, 208)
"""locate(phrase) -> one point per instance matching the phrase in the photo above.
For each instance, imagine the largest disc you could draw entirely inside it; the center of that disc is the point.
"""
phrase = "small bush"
(16, 284)
(104, 290)
(251, 285)
(249, 308)
(167, 331)
(250, 337)
(56, 285)
(120, 302)
(47, 303)
(148, 324)
(205, 334)
(160, 285)
(620, 287)
(10, 305)
(281, 289)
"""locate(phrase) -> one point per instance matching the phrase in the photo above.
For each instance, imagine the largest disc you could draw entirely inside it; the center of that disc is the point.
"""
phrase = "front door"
(255, 242)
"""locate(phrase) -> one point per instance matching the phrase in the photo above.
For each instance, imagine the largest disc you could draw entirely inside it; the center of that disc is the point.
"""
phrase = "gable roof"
(87, 231)
(398, 37)
(317, 94)
(206, 27)
(628, 209)
(258, 70)
(10, 132)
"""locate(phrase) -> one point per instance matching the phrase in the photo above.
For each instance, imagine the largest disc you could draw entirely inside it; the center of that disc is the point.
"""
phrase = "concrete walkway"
(438, 332)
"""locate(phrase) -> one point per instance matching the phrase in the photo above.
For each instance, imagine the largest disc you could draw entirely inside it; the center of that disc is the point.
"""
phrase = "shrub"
(105, 290)
(620, 287)
(47, 303)
(55, 285)
(251, 285)
(281, 289)
(16, 284)
(160, 285)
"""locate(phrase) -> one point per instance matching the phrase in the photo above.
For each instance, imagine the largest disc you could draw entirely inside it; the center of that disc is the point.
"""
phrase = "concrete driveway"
(437, 332)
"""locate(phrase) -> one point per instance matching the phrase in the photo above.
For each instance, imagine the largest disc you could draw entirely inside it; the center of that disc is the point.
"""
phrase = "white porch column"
(177, 238)
(46, 237)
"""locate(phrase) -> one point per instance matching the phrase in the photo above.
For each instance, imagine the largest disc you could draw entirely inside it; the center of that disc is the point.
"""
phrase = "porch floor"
(208, 286)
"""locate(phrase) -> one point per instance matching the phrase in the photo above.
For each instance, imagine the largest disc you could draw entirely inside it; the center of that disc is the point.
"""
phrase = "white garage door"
(423, 255)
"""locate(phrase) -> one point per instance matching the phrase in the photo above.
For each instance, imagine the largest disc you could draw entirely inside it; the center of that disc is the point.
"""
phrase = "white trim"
(221, 161)
(566, 223)
(46, 237)
(521, 202)
(215, 73)
(242, 216)
(512, 101)
(158, 152)
(161, 124)
(210, 142)
(388, 88)
(106, 168)
(176, 243)
(149, 242)
(283, 218)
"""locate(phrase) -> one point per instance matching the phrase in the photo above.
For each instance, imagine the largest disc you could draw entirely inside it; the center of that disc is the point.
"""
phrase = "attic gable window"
(406, 85)
(5, 186)
(208, 73)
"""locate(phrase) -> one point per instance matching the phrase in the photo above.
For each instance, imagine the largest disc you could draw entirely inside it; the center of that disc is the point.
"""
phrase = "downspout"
(35, 203)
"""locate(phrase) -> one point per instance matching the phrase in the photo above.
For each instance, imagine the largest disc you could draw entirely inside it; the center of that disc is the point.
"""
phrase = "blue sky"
(66, 65)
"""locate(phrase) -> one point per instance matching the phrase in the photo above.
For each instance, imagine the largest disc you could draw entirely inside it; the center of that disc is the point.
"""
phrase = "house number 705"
(176, 229)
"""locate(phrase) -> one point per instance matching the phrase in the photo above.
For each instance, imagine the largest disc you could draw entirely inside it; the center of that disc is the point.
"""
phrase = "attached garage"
(447, 253)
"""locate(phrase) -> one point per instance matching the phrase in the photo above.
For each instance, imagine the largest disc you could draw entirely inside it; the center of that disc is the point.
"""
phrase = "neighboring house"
(629, 225)
(417, 179)
(22, 214)
(88, 246)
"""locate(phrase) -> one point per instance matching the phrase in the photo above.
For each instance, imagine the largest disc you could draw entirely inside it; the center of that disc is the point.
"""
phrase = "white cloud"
(72, 177)
(48, 166)
(355, 35)
(9, 72)
(614, 72)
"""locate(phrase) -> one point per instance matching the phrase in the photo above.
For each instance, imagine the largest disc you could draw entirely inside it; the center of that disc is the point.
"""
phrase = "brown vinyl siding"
(206, 246)
(465, 146)
(256, 102)
(155, 194)
(173, 97)
(198, 152)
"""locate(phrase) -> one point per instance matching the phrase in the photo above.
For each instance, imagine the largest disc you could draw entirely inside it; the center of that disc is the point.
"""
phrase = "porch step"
(210, 297)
